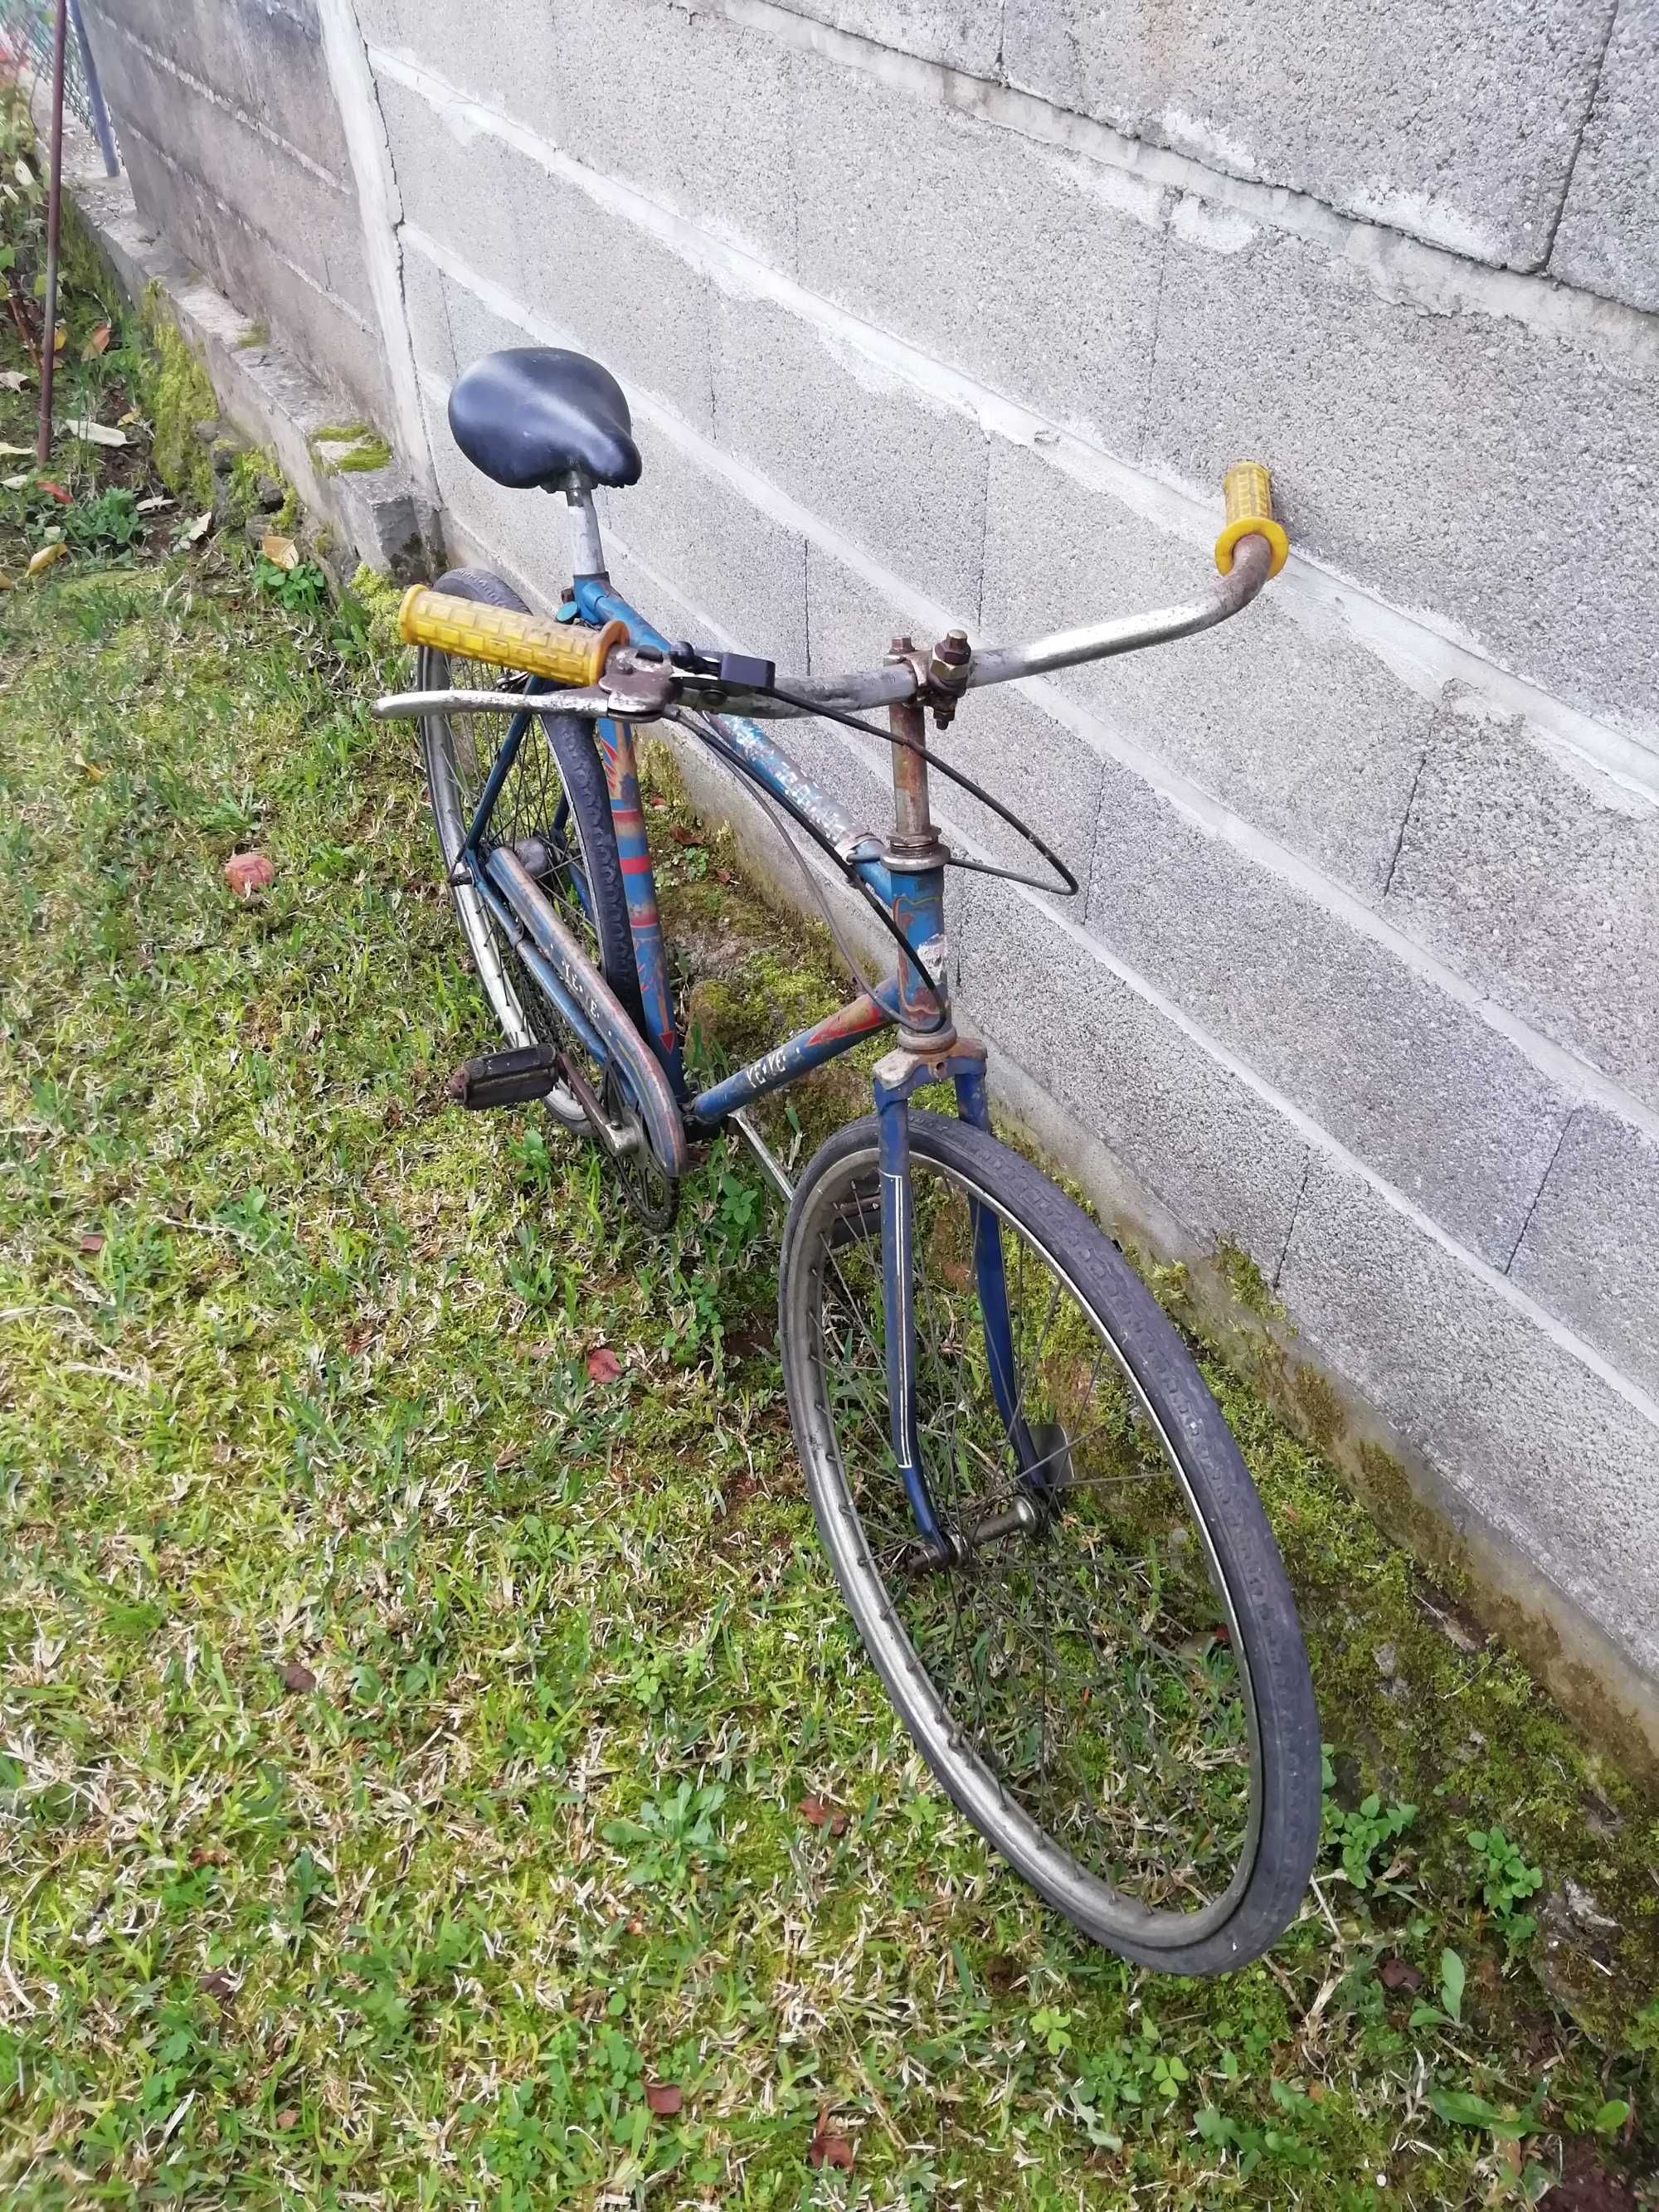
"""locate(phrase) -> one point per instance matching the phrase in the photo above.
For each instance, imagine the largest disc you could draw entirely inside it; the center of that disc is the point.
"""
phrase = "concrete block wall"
(232, 136)
(956, 310)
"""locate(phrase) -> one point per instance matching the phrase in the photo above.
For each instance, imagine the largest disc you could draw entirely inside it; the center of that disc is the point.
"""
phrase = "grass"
(404, 1734)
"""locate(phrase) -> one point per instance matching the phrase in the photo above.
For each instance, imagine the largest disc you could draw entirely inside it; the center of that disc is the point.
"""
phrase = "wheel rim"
(459, 752)
(1081, 1686)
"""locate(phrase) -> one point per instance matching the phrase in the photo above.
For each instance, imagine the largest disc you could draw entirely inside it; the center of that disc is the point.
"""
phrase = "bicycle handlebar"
(610, 678)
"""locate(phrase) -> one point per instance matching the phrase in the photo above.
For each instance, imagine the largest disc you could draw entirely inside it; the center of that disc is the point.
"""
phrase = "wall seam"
(1543, 1185)
(1405, 823)
(1296, 1208)
(1613, 14)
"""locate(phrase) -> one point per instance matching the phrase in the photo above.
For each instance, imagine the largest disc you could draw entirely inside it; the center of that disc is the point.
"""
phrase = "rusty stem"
(54, 226)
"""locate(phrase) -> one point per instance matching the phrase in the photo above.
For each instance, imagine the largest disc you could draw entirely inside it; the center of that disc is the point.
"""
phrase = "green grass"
(404, 1734)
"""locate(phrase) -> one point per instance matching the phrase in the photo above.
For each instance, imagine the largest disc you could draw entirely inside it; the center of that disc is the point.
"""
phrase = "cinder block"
(1538, 1443)
(242, 265)
(1295, 726)
(1037, 769)
(1031, 269)
(1537, 879)
(717, 552)
(1590, 1253)
(1486, 469)
(505, 55)
(608, 288)
(428, 311)
(1225, 1164)
(1407, 1077)
(266, 61)
(1609, 234)
(693, 110)
(897, 473)
(963, 34)
(314, 224)
(1456, 123)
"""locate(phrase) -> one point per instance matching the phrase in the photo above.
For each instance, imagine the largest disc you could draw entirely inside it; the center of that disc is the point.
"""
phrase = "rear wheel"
(1105, 1672)
(554, 809)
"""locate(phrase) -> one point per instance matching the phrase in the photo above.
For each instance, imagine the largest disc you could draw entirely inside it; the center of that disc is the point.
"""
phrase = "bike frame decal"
(809, 1048)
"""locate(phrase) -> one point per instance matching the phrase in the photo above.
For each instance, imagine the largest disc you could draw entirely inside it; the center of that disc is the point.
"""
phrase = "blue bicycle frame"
(906, 878)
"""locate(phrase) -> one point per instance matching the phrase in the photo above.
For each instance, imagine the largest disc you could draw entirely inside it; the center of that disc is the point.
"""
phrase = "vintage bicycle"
(1037, 1514)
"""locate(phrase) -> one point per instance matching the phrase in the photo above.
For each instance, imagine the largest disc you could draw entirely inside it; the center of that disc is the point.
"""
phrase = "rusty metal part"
(914, 834)
(54, 228)
(947, 676)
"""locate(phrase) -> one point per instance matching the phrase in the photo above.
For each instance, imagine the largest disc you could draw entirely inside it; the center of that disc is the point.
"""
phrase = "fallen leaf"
(288, 2116)
(57, 491)
(248, 873)
(60, 338)
(17, 484)
(724, 876)
(664, 2098)
(1398, 1974)
(96, 433)
(154, 504)
(92, 1240)
(6, 583)
(828, 2149)
(199, 528)
(296, 1677)
(821, 1814)
(27, 452)
(127, 419)
(216, 1985)
(46, 556)
(97, 343)
(12, 379)
(682, 835)
(282, 551)
(602, 1364)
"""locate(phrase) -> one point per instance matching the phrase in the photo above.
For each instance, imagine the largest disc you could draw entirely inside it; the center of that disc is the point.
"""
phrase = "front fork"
(896, 1076)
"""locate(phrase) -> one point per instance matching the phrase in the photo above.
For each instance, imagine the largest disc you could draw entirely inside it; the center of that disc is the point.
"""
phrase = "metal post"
(54, 224)
(99, 113)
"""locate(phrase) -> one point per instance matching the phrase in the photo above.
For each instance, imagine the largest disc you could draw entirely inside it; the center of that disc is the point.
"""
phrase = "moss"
(380, 599)
(177, 396)
(256, 334)
(367, 449)
(1246, 1281)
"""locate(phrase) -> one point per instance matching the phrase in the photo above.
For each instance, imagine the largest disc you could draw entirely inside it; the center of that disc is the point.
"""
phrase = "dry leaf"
(27, 452)
(7, 584)
(821, 1814)
(12, 379)
(97, 343)
(248, 873)
(199, 528)
(154, 504)
(57, 491)
(296, 1677)
(46, 556)
(216, 1985)
(1398, 1974)
(664, 2098)
(602, 1364)
(828, 2149)
(288, 2116)
(96, 433)
(282, 551)
(17, 484)
(60, 338)
(127, 419)
(92, 1240)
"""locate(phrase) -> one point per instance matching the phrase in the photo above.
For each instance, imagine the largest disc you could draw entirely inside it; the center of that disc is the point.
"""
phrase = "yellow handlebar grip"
(1249, 491)
(563, 653)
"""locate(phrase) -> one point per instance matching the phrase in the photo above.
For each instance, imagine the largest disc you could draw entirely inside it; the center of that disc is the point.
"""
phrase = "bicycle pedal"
(504, 1078)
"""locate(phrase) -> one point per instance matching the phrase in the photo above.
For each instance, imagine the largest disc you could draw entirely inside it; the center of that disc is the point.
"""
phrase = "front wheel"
(1102, 1664)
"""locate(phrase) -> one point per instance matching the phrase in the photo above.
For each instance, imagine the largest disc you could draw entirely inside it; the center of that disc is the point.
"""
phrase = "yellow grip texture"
(1250, 494)
(562, 654)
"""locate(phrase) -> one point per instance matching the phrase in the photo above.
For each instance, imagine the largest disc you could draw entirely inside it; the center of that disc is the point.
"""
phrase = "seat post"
(586, 546)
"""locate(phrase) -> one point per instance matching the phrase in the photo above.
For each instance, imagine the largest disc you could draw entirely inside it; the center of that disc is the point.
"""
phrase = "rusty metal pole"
(54, 226)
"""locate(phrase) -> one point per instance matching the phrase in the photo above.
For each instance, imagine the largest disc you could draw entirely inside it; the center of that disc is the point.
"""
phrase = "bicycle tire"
(454, 768)
(833, 1209)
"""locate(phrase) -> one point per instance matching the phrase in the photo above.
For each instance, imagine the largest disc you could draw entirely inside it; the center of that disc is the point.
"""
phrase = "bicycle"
(1037, 1514)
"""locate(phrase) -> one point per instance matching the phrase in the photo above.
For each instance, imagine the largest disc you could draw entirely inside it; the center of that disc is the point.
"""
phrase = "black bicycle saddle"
(532, 415)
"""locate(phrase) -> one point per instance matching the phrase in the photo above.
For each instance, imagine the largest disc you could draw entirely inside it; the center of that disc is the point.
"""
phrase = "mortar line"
(1212, 816)
(1613, 14)
(1543, 1185)
(1296, 1208)
(1405, 823)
